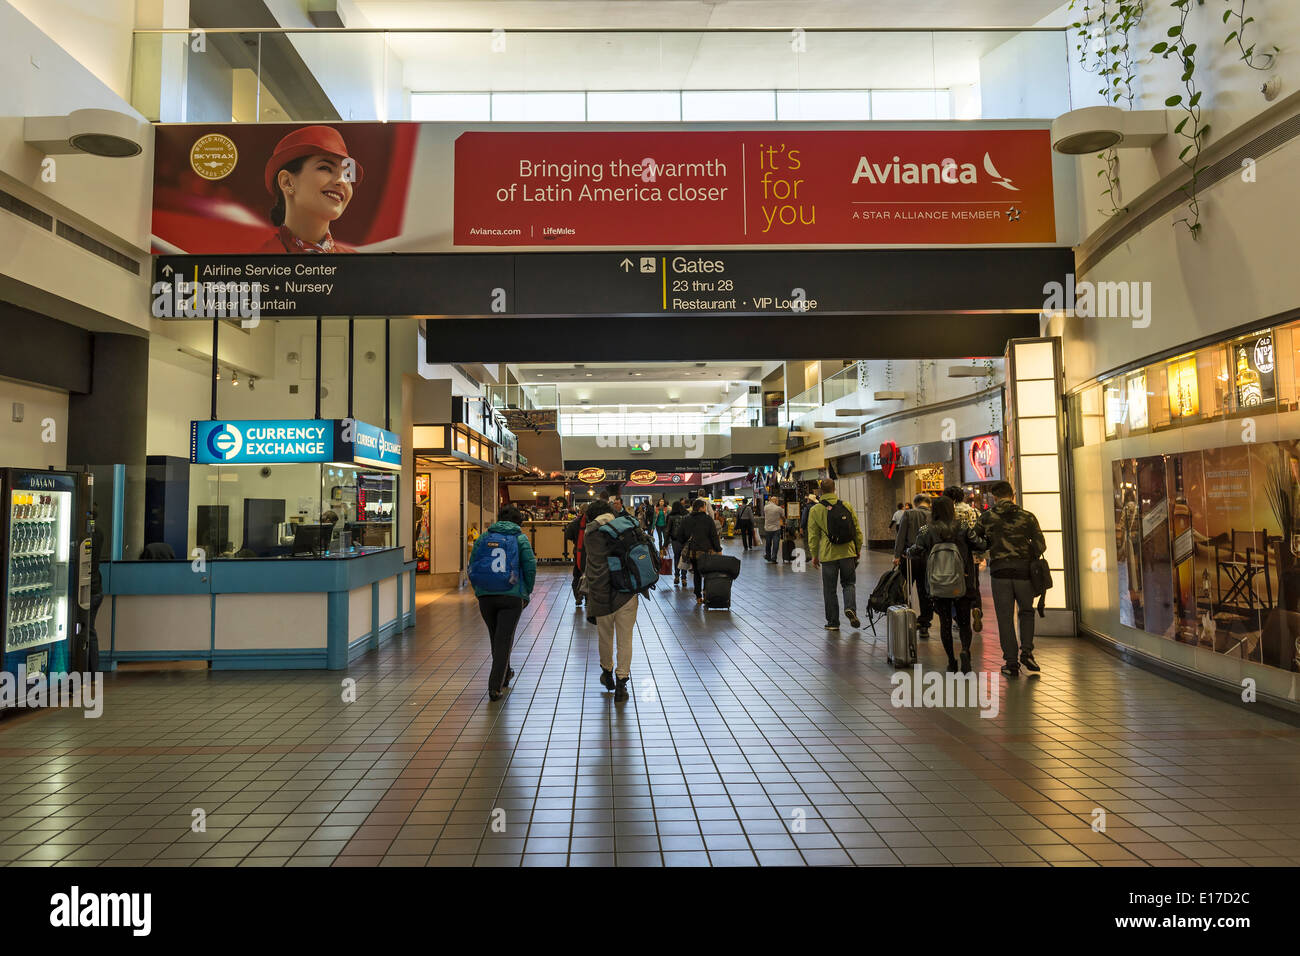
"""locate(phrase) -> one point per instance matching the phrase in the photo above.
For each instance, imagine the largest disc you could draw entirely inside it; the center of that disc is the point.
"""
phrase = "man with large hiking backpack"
(834, 544)
(620, 566)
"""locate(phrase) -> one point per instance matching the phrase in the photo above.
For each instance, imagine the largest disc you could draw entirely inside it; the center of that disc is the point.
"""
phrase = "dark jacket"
(698, 532)
(602, 598)
(1014, 539)
(913, 521)
(968, 542)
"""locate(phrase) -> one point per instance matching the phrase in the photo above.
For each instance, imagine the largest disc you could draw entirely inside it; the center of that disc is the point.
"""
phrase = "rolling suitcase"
(717, 591)
(901, 628)
(787, 549)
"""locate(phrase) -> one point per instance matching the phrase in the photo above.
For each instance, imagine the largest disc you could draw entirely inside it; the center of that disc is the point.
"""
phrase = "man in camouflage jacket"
(1015, 540)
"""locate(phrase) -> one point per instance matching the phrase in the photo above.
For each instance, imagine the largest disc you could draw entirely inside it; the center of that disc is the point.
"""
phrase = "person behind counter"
(502, 570)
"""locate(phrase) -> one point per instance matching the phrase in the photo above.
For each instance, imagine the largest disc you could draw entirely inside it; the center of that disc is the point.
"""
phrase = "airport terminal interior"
(649, 433)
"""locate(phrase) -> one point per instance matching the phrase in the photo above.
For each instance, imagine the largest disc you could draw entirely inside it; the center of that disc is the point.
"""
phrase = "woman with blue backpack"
(945, 545)
(502, 569)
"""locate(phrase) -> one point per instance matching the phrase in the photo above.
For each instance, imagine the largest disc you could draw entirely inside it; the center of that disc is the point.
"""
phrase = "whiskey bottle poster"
(1157, 560)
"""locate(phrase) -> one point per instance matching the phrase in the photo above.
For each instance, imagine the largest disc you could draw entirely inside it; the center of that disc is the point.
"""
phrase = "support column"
(1038, 466)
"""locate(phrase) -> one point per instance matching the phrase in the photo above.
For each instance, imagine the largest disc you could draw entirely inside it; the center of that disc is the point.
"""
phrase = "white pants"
(621, 621)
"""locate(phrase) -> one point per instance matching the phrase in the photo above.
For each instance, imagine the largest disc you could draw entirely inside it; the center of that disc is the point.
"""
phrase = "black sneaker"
(620, 692)
(922, 633)
(952, 665)
(965, 662)
(607, 678)
(510, 673)
(853, 618)
(493, 697)
(832, 627)
(1027, 660)
(1011, 670)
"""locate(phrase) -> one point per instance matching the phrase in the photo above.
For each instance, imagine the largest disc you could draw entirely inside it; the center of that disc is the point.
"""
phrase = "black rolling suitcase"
(717, 591)
(787, 549)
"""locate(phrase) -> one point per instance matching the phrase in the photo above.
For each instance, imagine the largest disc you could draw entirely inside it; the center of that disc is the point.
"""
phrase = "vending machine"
(42, 568)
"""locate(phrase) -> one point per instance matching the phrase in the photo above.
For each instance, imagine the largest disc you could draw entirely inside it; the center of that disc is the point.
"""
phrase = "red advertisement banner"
(827, 187)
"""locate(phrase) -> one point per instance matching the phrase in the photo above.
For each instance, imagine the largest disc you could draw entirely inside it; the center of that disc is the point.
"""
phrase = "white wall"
(1025, 78)
(21, 443)
(107, 198)
(97, 33)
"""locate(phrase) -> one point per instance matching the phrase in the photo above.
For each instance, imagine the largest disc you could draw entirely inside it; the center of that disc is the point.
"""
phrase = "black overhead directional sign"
(631, 283)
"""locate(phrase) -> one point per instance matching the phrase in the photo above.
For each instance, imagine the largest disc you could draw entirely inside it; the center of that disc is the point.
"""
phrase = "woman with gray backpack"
(946, 545)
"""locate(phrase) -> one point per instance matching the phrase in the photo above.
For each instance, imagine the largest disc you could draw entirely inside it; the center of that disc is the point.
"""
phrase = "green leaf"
(1205, 131)
(1186, 150)
(1196, 98)
(1181, 123)
(1226, 15)
(1174, 31)
(1174, 100)
(1189, 51)
(1160, 47)
(1247, 21)
(1231, 36)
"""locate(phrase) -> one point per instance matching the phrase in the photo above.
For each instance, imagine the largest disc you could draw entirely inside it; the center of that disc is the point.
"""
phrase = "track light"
(218, 375)
(234, 379)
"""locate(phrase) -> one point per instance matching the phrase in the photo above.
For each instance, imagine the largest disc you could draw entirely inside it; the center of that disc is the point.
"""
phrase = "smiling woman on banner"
(311, 177)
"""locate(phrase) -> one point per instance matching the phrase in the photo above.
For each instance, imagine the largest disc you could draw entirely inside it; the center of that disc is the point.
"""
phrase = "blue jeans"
(772, 545)
(843, 572)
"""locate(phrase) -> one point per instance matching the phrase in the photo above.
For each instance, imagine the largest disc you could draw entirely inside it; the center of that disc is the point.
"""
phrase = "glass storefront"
(1195, 557)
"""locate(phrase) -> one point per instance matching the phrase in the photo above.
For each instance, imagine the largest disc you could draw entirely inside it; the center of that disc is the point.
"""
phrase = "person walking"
(614, 610)
(914, 520)
(897, 519)
(968, 517)
(1014, 542)
(575, 531)
(661, 523)
(773, 515)
(502, 569)
(745, 524)
(945, 528)
(699, 535)
(835, 544)
(675, 519)
(808, 504)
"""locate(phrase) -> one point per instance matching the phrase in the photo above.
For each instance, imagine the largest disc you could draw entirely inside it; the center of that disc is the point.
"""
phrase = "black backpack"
(839, 523)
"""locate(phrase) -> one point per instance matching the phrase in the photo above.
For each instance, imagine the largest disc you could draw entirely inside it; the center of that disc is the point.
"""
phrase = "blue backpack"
(632, 563)
(494, 567)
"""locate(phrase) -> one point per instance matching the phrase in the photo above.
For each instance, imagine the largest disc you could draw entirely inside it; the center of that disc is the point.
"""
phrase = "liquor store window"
(1243, 376)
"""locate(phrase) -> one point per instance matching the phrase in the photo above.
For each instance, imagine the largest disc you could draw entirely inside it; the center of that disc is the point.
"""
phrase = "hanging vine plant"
(1104, 32)
(1248, 54)
(1190, 126)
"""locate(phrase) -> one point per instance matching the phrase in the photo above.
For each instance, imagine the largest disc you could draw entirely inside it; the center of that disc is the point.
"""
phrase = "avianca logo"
(949, 171)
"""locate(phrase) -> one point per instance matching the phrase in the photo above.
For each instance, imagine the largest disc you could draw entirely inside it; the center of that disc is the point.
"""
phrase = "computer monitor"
(312, 538)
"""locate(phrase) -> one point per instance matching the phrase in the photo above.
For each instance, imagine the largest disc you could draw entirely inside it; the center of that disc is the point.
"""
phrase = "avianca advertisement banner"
(737, 188)
(430, 187)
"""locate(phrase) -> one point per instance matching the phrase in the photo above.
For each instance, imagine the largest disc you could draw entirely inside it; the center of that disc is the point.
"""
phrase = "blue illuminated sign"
(290, 441)
(372, 445)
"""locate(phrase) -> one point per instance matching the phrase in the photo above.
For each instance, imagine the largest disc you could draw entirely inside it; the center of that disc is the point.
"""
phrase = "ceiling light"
(234, 379)
(105, 133)
(1094, 129)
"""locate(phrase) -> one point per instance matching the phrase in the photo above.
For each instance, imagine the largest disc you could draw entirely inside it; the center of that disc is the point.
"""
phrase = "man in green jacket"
(501, 606)
(837, 561)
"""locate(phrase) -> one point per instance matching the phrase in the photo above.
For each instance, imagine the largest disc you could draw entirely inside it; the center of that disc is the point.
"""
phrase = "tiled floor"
(753, 737)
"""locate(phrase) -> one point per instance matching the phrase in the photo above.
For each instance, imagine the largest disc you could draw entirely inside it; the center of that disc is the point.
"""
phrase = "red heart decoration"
(983, 458)
(889, 457)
